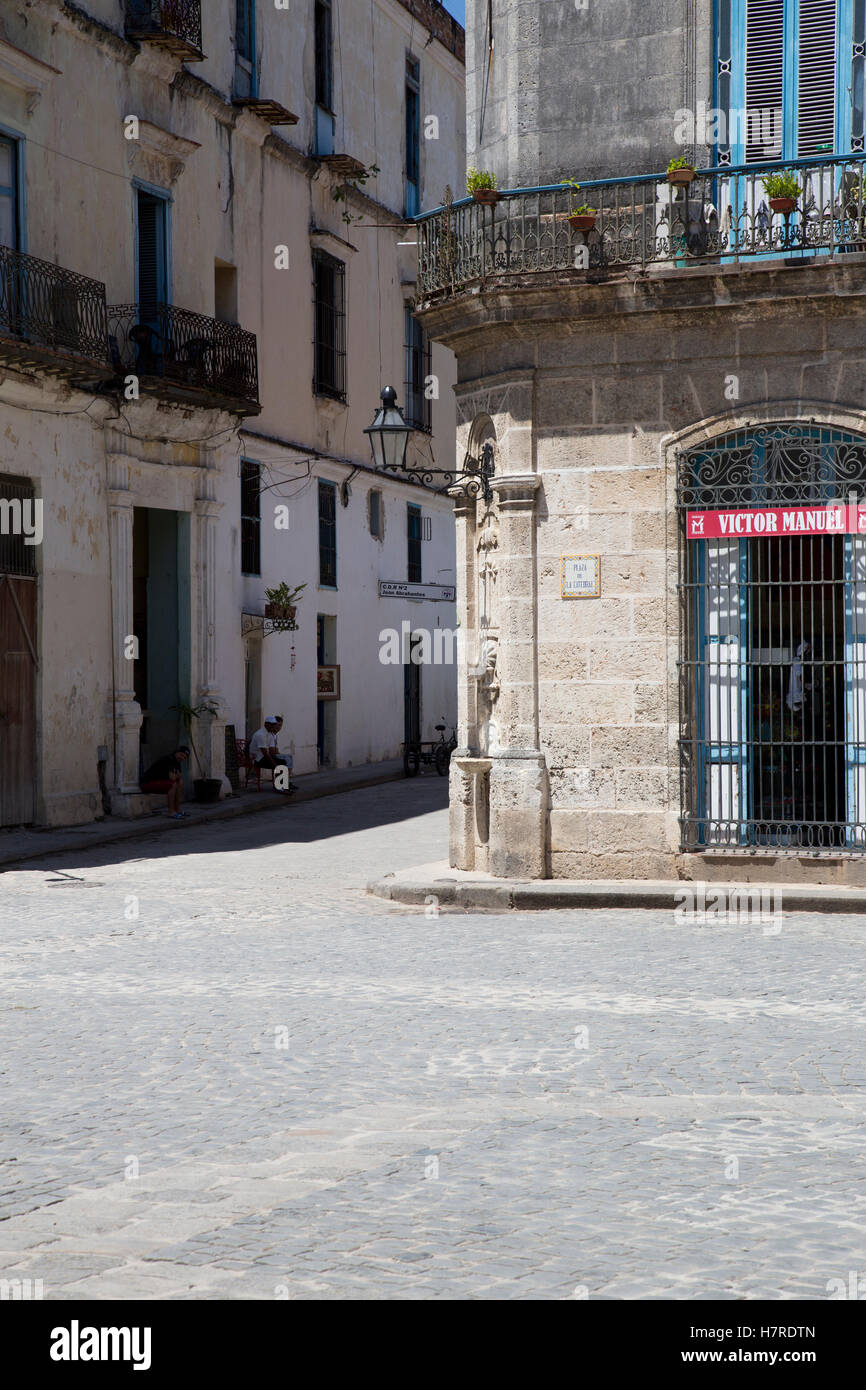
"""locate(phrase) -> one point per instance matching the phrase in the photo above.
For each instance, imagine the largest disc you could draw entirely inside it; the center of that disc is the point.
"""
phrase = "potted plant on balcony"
(481, 184)
(783, 191)
(581, 217)
(204, 788)
(680, 173)
(281, 605)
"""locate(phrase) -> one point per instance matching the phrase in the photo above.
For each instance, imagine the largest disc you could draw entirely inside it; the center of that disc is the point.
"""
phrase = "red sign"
(833, 518)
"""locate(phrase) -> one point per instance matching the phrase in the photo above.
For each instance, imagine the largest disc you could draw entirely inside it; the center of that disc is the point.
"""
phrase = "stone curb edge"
(511, 896)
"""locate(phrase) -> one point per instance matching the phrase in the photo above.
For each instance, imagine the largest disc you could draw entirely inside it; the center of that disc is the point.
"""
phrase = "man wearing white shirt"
(264, 749)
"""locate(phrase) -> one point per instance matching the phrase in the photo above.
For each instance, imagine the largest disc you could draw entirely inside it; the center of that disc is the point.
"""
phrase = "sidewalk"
(476, 891)
(17, 846)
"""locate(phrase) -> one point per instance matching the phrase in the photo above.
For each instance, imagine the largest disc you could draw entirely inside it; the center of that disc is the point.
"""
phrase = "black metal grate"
(20, 522)
(176, 24)
(773, 649)
(251, 517)
(418, 370)
(329, 303)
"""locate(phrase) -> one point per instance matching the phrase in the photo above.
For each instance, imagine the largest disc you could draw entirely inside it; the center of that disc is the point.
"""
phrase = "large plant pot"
(285, 612)
(786, 205)
(681, 178)
(582, 221)
(207, 788)
(487, 197)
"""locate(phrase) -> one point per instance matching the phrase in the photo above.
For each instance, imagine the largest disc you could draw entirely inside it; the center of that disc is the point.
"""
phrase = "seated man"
(290, 762)
(165, 775)
(264, 751)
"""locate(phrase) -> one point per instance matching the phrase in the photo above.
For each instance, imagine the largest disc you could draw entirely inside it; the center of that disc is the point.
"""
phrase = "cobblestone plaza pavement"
(228, 1073)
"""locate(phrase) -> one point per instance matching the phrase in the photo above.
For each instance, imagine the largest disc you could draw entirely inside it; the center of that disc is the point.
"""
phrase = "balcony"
(52, 318)
(643, 225)
(174, 25)
(186, 357)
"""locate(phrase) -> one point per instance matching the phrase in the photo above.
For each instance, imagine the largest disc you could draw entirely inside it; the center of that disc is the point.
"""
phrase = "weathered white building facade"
(204, 286)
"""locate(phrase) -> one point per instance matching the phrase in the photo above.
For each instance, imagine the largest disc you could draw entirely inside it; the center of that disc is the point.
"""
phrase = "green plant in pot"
(581, 216)
(204, 788)
(481, 185)
(783, 190)
(680, 173)
(282, 602)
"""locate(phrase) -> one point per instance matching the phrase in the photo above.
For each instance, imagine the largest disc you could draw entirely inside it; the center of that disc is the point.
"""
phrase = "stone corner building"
(678, 389)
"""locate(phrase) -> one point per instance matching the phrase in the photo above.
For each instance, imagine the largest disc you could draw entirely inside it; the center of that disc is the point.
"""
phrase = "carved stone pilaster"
(125, 795)
(211, 727)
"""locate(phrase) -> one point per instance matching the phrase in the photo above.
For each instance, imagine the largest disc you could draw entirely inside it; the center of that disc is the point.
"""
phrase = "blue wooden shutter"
(152, 268)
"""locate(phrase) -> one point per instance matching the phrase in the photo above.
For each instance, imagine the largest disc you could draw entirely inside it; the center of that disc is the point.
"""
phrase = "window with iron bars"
(329, 347)
(17, 523)
(773, 641)
(251, 517)
(327, 535)
(419, 411)
(413, 532)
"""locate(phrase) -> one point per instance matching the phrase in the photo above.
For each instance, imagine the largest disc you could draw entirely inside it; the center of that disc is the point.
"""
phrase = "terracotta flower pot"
(785, 205)
(582, 221)
(681, 178)
(284, 611)
(488, 197)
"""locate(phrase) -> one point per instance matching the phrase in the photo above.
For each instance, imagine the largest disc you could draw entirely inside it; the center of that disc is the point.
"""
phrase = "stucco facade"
(597, 738)
(137, 459)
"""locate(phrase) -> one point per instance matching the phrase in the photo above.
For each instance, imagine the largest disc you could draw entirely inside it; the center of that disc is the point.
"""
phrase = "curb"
(143, 828)
(512, 895)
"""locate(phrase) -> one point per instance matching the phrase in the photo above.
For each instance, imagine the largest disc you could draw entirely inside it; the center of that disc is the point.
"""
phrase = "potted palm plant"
(282, 601)
(481, 185)
(204, 788)
(783, 191)
(680, 173)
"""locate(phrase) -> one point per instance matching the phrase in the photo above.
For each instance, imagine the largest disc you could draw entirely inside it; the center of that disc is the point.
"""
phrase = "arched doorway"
(773, 639)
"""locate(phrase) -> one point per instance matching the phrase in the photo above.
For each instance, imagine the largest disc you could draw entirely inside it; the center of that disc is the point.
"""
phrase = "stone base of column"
(468, 811)
(125, 796)
(519, 803)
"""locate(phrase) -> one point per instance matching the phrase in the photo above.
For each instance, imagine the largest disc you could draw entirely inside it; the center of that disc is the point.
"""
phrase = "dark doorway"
(412, 697)
(18, 653)
(797, 689)
(161, 624)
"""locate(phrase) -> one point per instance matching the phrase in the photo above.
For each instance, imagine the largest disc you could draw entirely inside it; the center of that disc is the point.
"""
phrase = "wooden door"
(17, 699)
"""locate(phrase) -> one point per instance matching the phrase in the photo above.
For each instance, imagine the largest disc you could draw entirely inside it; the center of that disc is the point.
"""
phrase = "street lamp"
(389, 434)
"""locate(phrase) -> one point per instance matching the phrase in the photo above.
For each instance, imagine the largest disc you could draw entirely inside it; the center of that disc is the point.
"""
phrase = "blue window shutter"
(816, 77)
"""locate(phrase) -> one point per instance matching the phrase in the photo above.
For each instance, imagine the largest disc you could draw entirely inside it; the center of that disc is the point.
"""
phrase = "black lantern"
(389, 434)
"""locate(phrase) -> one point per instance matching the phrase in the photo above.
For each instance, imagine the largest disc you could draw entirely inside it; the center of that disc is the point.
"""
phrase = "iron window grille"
(419, 413)
(327, 535)
(17, 511)
(329, 302)
(772, 668)
(413, 533)
(251, 517)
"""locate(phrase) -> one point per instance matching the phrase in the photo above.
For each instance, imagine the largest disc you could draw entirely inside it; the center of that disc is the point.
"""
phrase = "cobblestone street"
(228, 1073)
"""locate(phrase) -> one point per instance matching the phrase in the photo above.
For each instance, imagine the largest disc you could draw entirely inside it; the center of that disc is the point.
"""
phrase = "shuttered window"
(8, 192)
(152, 241)
(816, 77)
(778, 78)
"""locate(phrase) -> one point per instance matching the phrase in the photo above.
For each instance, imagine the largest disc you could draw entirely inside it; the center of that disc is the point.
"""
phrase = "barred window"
(19, 521)
(413, 525)
(329, 300)
(327, 535)
(251, 517)
(417, 350)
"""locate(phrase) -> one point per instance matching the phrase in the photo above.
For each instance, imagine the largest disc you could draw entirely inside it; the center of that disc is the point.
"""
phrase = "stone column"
(209, 730)
(518, 774)
(125, 795)
(461, 800)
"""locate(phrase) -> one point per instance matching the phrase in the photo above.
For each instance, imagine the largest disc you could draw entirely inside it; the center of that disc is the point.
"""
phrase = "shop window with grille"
(417, 349)
(329, 301)
(773, 641)
(251, 517)
(20, 522)
(327, 535)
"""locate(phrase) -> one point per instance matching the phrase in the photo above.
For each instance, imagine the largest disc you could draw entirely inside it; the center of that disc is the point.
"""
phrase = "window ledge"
(25, 73)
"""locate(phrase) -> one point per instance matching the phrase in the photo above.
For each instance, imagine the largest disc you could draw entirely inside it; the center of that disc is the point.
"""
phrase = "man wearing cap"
(263, 746)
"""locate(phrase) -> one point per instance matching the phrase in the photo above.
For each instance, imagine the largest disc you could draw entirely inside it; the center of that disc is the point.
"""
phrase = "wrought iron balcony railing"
(723, 216)
(171, 24)
(185, 355)
(52, 317)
